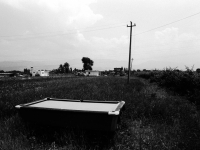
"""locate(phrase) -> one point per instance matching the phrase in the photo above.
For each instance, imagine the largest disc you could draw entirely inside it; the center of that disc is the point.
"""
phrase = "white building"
(92, 73)
(42, 73)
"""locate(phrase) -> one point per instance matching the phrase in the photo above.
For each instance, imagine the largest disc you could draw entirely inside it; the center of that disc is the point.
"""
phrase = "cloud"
(57, 20)
(13, 3)
(167, 35)
(76, 13)
(110, 48)
(99, 47)
(85, 17)
(56, 17)
(172, 43)
(174, 36)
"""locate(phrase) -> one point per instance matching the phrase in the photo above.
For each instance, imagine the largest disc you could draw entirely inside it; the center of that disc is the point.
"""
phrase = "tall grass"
(185, 83)
(153, 119)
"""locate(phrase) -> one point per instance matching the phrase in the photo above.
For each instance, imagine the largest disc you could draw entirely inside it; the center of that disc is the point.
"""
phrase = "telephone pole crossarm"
(132, 25)
(130, 50)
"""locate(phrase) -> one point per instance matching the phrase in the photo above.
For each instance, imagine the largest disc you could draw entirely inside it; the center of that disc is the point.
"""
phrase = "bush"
(185, 83)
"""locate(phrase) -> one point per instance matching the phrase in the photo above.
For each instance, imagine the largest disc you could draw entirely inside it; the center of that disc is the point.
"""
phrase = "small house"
(41, 73)
(92, 73)
(6, 74)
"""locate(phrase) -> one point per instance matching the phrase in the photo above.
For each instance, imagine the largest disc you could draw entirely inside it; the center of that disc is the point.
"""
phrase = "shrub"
(185, 83)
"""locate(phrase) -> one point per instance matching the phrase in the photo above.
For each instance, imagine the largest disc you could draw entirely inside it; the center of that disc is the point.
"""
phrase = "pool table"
(83, 114)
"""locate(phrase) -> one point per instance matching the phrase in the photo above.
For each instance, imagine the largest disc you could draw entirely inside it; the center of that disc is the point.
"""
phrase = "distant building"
(5, 74)
(118, 69)
(41, 73)
(92, 73)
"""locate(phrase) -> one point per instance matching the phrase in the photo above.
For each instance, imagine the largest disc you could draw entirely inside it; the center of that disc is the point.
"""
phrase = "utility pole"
(129, 61)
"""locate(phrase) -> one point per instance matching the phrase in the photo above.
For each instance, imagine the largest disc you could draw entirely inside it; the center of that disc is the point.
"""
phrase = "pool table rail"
(101, 119)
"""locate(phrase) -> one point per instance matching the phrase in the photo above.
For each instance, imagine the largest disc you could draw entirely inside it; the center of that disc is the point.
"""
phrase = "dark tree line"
(64, 68)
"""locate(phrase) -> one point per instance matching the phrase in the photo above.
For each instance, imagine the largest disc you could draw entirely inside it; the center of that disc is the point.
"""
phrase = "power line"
(30, 35)
(116, 26)
(167, 44)
(108, 27)
(167, 24)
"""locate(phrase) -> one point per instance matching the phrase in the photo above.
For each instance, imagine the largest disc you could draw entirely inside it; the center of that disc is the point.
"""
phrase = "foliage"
(185, 83)
(63, 68)
(87, 63)
(152, 118)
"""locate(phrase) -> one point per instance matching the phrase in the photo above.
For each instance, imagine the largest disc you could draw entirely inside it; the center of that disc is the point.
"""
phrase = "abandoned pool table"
(83, 114)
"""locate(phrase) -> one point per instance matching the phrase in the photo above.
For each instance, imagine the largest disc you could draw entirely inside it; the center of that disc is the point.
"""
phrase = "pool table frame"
(82, 119)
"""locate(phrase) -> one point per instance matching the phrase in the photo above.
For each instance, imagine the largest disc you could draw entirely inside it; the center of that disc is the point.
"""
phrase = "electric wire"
(167, 24)
(106, 27)
(61, 34)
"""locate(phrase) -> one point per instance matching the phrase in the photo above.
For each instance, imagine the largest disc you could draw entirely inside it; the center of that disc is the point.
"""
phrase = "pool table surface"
(85, 114)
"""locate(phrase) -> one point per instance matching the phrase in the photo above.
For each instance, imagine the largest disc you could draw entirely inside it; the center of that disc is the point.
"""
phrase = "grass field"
(153, 119)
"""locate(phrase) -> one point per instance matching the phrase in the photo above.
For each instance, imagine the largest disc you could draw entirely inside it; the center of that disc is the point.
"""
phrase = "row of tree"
(65, 68)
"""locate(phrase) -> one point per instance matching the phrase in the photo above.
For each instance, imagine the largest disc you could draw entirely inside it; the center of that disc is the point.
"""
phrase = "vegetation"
(153, 119)
(63, 68)
(184, 83)
(87, 63)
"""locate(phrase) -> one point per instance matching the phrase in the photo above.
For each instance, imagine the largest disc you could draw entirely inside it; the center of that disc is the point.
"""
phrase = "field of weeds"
(183, 83)
(153, 119)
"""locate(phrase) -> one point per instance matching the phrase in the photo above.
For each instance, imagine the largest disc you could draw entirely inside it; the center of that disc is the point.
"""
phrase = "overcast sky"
(63, 30)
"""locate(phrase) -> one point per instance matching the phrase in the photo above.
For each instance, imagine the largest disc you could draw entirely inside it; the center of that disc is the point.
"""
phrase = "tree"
(87, 63)
(66, 67)
(63, 68)
(60, 69)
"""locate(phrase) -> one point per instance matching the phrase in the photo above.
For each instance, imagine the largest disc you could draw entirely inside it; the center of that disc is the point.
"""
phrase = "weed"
(153, 119)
